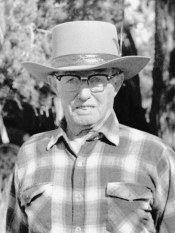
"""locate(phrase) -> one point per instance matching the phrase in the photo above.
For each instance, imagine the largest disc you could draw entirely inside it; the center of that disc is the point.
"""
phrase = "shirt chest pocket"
(36, 201)
(129, 205)
(33, 192)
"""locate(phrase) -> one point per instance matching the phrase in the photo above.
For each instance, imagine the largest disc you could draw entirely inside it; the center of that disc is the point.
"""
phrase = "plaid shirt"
(122, 180)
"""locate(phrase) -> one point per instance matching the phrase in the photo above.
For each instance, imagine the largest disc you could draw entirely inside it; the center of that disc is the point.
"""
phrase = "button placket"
(79, 163)
(78, 229)
(78, 193)
(78, 196)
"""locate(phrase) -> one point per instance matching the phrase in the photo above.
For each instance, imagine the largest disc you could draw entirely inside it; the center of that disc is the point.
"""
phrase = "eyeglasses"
(96, 82)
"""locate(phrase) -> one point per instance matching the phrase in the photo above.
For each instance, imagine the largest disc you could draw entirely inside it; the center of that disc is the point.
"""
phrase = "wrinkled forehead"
(89, 72)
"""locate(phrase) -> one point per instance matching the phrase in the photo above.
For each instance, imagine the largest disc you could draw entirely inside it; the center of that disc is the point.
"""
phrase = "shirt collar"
(57, 134)
(110, 129)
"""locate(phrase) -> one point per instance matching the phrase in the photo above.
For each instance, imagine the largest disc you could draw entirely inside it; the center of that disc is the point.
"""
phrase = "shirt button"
(78, 229)
(78, 196)
(79, 164)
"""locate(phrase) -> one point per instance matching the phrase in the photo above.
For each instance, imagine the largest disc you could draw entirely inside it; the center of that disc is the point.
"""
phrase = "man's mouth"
(84, 107)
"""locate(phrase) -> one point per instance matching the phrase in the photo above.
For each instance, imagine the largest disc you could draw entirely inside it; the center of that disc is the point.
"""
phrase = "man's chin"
(83, 121)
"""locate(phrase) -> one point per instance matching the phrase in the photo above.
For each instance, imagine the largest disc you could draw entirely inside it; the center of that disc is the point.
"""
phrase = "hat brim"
(129, 65)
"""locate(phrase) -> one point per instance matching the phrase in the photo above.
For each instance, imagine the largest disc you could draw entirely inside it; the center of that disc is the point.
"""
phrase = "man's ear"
(119, 79)
(53, 84)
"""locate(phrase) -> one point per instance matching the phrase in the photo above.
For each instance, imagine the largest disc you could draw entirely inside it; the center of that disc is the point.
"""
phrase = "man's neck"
(78, 133)
(77, 139)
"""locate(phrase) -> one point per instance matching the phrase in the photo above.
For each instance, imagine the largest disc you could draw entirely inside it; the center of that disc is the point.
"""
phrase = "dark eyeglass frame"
(108, 77)
(59, 77)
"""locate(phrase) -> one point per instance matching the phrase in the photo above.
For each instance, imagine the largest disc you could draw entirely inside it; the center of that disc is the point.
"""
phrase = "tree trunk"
(164, 29)
(158, 84)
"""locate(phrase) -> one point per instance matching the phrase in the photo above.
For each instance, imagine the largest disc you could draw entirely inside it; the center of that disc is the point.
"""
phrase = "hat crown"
(84, 37)
(86, 45)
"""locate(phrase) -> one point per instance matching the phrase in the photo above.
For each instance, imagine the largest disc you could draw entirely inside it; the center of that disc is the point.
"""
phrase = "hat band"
(81, 59)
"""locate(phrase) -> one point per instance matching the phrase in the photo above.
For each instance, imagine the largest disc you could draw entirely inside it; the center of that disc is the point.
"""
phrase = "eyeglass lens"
(72, 82)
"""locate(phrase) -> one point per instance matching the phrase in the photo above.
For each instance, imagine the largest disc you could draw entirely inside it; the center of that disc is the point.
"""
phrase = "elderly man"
(91, 175)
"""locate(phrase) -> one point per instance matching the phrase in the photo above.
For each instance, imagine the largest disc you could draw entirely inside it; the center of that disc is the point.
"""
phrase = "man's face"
(83, 107)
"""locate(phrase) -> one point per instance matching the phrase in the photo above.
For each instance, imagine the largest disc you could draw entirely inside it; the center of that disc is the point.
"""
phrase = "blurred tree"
(162, 115)
(128, 102)
(25, 38)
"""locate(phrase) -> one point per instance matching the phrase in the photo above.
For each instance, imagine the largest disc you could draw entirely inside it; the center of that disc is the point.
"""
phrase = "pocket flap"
(31, 192)
(128, 191)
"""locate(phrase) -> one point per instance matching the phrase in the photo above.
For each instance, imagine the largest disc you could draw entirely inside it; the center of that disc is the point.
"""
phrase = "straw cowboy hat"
(86, 45)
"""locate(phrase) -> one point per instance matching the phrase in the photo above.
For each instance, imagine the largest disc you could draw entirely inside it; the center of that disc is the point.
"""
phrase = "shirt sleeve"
(16, 220)
(166, 193)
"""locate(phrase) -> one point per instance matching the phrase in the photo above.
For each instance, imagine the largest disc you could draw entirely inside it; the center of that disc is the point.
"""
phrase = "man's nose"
(84, 91)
